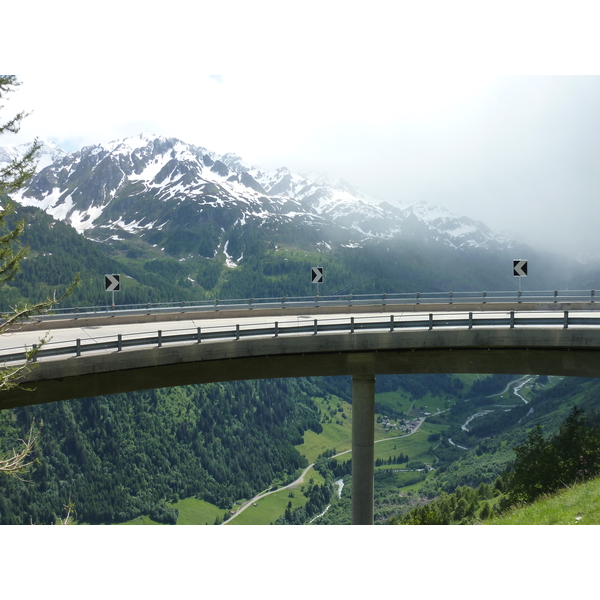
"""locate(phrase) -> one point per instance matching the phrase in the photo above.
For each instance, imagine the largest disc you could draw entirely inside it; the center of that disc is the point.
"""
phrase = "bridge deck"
(118, 357)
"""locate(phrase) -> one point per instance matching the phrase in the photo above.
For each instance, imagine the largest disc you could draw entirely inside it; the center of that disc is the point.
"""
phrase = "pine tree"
(12, 177)
(543, 465)
(485, 511)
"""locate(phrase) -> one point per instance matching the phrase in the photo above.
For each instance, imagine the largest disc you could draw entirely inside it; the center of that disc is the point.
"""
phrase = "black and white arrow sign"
(317, 274)
(112, 283)
(519, 268)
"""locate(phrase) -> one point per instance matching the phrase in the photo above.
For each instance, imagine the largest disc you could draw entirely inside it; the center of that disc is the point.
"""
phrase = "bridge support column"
(363, 449)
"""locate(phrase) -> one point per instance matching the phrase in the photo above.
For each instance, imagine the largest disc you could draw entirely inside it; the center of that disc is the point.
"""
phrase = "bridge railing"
(407, 298)
(350, 325)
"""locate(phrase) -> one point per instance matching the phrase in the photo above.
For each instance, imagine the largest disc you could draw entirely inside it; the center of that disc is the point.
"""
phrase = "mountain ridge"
(161, 190)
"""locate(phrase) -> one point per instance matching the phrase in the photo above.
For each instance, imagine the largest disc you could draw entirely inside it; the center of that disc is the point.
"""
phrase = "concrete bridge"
(98, 355)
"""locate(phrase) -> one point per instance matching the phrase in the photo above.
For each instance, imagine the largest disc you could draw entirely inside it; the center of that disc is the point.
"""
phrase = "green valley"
(194, 454)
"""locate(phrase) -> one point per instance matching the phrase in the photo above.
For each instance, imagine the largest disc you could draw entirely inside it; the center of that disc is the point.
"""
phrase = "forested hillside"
(554, 451)
(58, 252)
(121, 456)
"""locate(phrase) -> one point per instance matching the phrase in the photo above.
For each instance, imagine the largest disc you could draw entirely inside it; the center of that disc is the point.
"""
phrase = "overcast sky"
(406, 105)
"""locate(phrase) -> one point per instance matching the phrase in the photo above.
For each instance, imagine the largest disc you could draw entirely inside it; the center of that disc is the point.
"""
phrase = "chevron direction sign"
(317, 274)
(112, 283)
(519, 268)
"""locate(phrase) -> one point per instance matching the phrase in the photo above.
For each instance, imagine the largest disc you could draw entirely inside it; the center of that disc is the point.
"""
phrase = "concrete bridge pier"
(363, 449)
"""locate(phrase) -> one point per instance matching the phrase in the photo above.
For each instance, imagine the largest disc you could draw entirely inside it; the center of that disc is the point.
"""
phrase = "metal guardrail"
(442, 298)
(274, 329)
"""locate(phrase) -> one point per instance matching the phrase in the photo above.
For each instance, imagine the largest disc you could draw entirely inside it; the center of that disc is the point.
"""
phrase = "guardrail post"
(276, 329)
(119, 342)
(519, 296)
(351, 324)
(566, 320)
(159, 338)
(383, 299)
(237, 332)
(391, 323)
(484, 297)
(555, 296)
(450, 298)
(34, 348)
(350, 300)
(315, 327)
(250, 304)
(418, 296)
(283, 302)
(512, 319)
(78, 347)
(199, 335)
(216, 304)
(470, 320)
(430, 321)
(592, 293)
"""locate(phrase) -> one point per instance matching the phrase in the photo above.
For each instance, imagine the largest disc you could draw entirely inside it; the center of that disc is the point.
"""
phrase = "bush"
(161, 513)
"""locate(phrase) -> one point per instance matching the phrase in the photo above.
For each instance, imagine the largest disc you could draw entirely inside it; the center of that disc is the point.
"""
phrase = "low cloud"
(518, 153)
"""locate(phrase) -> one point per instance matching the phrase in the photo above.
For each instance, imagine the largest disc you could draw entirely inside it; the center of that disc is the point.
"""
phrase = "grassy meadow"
(575, 505)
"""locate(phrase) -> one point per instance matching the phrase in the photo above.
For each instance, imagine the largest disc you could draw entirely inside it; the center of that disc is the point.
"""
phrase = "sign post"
(112, 283)
(519, 269)
(317, 276)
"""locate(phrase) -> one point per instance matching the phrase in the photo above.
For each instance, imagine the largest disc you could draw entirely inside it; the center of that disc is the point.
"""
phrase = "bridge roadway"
(107, 355)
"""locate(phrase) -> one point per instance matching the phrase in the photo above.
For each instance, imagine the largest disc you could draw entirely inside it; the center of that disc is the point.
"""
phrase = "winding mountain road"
(300, 479)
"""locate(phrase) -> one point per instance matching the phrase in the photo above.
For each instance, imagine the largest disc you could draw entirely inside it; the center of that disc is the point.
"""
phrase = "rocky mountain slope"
(186, 200)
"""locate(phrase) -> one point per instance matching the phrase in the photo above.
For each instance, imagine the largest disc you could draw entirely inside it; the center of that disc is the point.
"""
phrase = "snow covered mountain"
(47, 154)
(187, 200)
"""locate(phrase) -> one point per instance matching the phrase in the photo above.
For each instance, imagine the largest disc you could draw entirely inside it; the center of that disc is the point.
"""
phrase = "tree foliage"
(12, 177)
(15, 174)
(545, 465)
(466, 505)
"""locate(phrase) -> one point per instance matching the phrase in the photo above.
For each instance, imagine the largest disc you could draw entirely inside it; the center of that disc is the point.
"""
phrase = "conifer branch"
(15, 463)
